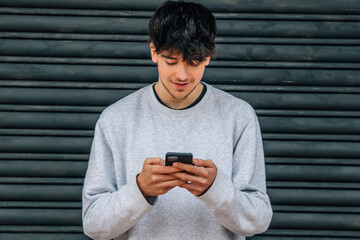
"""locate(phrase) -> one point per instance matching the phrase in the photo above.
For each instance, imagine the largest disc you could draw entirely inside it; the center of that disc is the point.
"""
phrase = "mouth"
(180, 85)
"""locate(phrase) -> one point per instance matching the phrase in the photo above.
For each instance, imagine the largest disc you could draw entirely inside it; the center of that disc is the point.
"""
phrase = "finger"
(184, 166)
(203, 163)
(154, 161)
(193, 188)
(190, 186)
(190, 178)
(162, 178)
(165, 169)
(170, 184)
(203, 172)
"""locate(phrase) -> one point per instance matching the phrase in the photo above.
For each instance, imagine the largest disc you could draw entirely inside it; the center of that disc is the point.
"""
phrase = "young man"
(130, 194)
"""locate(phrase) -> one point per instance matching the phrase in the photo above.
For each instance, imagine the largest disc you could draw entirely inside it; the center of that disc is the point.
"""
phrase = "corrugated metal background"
(296, 62)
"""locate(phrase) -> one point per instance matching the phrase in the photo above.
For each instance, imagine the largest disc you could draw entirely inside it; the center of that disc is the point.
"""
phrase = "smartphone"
(172, 157)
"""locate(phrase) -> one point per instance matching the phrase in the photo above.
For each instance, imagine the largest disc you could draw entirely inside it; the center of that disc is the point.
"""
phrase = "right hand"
(155, 179)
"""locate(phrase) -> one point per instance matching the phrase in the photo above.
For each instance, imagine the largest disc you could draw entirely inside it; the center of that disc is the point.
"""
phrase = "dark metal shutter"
(296, 62)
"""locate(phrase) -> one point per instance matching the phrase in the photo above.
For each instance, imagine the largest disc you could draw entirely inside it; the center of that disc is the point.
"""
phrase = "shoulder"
(237, 113)
(124, 107)
(232, 105)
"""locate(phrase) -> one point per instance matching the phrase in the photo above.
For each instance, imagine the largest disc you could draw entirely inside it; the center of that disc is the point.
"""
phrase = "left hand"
(199, 178)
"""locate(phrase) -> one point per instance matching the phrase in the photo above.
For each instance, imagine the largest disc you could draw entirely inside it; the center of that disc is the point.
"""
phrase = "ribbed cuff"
(150, 200)
(137, 197)
(218, 193)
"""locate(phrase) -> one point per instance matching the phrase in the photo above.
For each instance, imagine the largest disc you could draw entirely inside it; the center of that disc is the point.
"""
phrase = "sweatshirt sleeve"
(240, 202)
(109, 210)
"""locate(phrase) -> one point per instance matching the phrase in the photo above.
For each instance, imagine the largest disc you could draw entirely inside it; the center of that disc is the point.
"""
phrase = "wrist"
(139, 183)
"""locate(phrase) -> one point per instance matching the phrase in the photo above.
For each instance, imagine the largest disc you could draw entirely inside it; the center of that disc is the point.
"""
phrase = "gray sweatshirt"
(220, 127)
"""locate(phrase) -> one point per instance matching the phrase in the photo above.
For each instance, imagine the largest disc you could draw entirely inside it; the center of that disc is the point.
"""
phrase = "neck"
(174, 103)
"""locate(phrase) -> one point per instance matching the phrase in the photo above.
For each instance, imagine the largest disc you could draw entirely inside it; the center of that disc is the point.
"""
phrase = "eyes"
(172, 63)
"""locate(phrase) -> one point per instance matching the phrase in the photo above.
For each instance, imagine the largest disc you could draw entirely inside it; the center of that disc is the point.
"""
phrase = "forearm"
(246, 211)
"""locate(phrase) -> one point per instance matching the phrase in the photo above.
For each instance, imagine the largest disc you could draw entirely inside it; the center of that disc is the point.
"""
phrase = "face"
(179, 82)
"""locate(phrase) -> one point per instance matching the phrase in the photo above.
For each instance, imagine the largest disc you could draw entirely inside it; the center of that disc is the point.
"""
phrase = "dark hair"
(184, 28)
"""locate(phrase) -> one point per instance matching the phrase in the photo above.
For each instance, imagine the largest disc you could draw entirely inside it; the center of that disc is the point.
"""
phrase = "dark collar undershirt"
(191, 105)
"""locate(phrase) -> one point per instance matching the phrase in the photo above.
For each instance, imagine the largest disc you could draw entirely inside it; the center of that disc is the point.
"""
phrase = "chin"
(180, 96)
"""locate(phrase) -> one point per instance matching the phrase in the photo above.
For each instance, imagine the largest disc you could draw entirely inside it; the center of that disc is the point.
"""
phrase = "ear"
(154, 55)
(207, 61)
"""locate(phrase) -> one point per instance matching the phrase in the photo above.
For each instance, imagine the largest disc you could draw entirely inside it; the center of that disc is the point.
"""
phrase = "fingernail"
(175, 164)
(196, 162)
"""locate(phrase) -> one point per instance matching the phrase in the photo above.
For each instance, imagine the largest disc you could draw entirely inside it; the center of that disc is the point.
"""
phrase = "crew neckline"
(180, 112)
(202, 94)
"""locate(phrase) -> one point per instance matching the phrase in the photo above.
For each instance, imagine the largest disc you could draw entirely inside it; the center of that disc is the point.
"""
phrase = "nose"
(182, 72)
